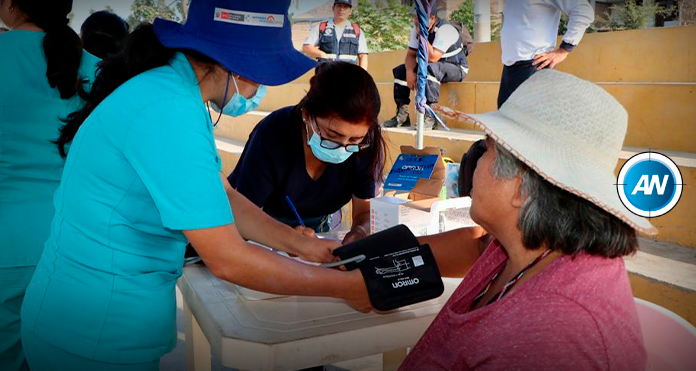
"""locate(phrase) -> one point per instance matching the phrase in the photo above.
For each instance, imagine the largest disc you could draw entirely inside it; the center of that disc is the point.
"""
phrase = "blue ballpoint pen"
(292, 207)
(355, 259)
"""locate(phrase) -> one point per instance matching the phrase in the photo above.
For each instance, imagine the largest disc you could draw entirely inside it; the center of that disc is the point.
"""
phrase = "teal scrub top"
(142, 168)
(30, 166)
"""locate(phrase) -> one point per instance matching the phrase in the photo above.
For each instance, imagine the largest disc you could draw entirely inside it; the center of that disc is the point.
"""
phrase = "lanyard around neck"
(512, 282)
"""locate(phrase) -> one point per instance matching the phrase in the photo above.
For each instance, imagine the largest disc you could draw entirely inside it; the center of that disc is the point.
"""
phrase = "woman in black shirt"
(322, 153)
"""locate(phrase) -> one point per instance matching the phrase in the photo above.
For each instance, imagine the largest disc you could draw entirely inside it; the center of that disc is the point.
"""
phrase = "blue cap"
(346, 2)
(249, 38)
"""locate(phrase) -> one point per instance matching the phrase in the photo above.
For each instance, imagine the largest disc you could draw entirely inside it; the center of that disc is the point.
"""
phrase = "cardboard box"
(420, 208)
(423, 217)
(425, 188)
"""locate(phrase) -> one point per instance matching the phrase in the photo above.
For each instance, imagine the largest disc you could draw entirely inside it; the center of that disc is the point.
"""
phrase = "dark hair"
(560, 220)
(142, 51)
(103, 33)
(347, 91)
(62, 47)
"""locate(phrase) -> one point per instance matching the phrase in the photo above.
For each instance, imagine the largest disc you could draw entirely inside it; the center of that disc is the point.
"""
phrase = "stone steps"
(656, 54)
(229, 151)
(238, 128)
(665, 274)
(661, 115)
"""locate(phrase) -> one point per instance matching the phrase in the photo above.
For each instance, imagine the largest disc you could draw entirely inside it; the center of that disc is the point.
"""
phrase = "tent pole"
(420, 118)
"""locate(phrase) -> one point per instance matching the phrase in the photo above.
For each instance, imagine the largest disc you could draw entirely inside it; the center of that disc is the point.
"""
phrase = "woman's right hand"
(356, 293)
(309, 232)
(311, 248)
(411, 80)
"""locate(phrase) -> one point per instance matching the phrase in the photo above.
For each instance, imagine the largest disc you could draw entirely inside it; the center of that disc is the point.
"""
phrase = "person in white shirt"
(446, 63)
(528, 38)
(338, 38)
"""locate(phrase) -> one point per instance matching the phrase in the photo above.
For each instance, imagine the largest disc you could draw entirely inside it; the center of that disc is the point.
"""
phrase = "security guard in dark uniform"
(338, 38)
(446, 63)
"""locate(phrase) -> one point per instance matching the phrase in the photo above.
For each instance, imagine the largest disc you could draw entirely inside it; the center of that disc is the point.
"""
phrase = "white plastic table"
(293, 332)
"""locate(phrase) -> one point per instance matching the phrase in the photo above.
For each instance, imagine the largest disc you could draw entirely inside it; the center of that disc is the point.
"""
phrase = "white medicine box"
(423, 217)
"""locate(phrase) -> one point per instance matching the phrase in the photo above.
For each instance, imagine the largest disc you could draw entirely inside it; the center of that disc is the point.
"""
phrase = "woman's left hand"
(361, 221)
(354, 235)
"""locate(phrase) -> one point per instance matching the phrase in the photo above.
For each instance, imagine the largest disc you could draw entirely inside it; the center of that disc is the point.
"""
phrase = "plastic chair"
(670, 341)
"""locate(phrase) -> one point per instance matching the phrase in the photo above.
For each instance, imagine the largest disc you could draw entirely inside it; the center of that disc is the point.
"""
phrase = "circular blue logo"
(649, 184)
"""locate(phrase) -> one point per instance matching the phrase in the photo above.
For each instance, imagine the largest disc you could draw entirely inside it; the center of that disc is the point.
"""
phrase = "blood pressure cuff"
(397, 270)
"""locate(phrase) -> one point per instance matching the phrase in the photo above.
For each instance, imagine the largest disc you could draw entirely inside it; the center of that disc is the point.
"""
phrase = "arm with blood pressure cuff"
(397, 269)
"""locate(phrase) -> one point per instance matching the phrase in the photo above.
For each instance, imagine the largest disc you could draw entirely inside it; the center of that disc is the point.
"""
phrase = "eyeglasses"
(330, 144)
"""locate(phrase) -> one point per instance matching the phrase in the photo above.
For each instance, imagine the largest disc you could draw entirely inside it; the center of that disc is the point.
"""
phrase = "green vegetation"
(465, 15)
(387, 24)
(631, 15)
(148, 10)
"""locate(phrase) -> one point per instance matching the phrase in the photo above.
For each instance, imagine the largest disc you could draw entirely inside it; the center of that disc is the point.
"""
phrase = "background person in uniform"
(322, 153)
(142, 178)
(446, 63)
(528, 38)
(338, 38)
(103, 32)
(44, 74)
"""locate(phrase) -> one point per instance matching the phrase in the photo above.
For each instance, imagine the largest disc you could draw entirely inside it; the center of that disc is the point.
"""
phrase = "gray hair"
(552, 217)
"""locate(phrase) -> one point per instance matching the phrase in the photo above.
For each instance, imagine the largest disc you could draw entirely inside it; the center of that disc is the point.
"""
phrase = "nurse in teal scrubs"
(142, 179)
(43, 74)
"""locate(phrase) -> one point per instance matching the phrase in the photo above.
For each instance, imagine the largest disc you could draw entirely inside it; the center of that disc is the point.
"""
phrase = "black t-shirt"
(272, 166)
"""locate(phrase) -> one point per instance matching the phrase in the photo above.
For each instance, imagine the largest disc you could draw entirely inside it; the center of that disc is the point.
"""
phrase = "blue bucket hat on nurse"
(249, 38)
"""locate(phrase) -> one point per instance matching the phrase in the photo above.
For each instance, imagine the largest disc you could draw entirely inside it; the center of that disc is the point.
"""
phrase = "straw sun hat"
(570, 131)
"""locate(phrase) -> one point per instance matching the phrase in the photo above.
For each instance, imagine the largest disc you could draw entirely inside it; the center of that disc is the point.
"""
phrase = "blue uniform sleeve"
(172, 149)
(254, 176)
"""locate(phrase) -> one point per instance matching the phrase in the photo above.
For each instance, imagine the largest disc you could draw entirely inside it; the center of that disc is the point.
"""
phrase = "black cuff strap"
(567, 46)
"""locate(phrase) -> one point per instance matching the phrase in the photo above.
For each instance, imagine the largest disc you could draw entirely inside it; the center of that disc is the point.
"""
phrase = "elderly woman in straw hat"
(550, 290)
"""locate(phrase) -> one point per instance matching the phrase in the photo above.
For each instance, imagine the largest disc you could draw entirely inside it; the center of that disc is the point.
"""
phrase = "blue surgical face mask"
(238, 104)
(333, 156)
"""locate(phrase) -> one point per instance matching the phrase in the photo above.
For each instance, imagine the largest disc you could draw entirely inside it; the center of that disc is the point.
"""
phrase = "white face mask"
(332, 156)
